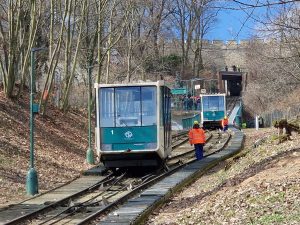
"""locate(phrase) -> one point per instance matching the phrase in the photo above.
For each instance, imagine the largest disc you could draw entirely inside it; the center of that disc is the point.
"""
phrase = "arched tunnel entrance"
(231, 82)
(234, 87)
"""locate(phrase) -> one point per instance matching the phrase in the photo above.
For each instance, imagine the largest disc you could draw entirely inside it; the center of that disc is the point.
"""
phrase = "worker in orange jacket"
(225, 123)
(197, 138)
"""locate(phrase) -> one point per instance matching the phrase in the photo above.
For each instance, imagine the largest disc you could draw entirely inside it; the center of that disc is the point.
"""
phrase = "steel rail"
(80, 205)
(144, 186)
(55, 204)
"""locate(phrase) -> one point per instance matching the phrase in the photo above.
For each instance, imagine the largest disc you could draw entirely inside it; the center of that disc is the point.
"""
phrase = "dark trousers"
(199, 151)
(225, 128)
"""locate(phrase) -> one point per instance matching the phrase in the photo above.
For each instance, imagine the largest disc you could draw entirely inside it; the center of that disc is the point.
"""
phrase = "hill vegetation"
(259, 186)
(60, 147)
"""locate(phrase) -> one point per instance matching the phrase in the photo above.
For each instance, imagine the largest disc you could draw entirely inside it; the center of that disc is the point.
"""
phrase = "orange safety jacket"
(197, 136)
(224, 122)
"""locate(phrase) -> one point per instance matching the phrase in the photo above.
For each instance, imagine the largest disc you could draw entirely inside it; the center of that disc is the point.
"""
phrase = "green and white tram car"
(213, 110)
(133, 124)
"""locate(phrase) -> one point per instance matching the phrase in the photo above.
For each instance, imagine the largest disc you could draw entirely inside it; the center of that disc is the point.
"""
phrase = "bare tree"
(274, 63)
(158, 12)
(17, 39)
(54, 58)
(115, 32)
(206, 17)
(185, 21)
(131, 15)
(66, 91)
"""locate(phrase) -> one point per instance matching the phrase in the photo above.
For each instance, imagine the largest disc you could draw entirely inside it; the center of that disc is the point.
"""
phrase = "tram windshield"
(213, 103)
(128, 106)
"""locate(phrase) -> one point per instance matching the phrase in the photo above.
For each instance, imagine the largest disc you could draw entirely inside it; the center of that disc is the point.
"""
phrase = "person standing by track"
(197, 138)
(225, 123)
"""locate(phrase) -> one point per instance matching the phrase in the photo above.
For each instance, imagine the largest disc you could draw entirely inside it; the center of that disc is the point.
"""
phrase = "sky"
(234, 25)
(230, 26)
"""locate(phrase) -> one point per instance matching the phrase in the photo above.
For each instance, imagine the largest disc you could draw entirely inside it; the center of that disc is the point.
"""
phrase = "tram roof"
(136, 84)
(215, 94)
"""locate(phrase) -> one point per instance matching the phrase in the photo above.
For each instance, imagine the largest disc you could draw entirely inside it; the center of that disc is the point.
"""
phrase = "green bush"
(167, 64)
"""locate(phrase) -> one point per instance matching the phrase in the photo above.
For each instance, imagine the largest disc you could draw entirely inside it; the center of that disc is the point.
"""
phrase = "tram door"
(166, 118)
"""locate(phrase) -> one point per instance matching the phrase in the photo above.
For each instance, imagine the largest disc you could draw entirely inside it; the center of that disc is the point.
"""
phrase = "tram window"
(148, 93)
(106, 107)
(136, 95)
(149, 106)
(128, 106)
(213, 103)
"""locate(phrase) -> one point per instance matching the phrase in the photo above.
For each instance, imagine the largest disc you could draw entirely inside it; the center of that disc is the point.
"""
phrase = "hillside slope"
(260, 187)
(60, 147)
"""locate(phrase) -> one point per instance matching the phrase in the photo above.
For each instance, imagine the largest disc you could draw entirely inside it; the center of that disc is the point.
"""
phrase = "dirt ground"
(60, 148)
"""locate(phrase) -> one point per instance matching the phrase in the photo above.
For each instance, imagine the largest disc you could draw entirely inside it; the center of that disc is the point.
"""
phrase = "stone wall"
(216, 52)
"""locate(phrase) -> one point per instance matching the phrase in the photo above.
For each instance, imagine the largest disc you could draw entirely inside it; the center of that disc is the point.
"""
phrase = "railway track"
(230, 103)
(99, 198)
(137, 209)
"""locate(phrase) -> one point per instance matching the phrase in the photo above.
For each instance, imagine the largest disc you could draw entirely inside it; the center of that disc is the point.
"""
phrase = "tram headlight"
(106, 147)
(151, 145)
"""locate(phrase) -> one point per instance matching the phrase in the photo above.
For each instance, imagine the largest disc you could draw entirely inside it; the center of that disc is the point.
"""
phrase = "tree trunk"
(52, 66)
(67, 49)
(33, 29)
(70, 81)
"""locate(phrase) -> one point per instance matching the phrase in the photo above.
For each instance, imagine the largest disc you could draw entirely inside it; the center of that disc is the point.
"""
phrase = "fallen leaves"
(60, 141)
(260, 188)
